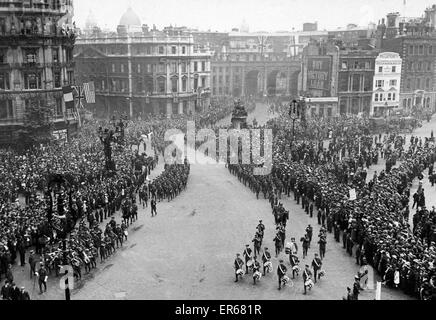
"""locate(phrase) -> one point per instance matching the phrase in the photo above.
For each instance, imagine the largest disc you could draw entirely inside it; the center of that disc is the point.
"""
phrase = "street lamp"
(294, 114)
(107, 137)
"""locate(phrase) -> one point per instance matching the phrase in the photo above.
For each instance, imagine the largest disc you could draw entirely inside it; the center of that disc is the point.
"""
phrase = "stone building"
(414, 39)
(36, 60)
(387, 82)
(139, 71)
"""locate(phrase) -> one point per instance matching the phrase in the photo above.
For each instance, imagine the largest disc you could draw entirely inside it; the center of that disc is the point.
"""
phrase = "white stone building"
(387, 81)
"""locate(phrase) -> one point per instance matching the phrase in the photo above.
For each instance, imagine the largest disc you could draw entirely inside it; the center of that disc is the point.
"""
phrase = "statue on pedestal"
(239, 115)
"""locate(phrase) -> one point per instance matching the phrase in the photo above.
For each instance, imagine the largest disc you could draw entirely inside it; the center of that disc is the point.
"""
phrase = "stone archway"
(271, 83)
(252, 83)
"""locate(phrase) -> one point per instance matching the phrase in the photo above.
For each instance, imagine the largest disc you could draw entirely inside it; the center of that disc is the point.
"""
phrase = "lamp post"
(294, 114)
(107, 137)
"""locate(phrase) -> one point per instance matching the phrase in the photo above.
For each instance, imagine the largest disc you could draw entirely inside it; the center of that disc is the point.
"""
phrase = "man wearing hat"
(42, 277)
(281, 272)
(238, 265)
(247, 256)
(356, 288)
(266, 257)
(316, 265)
(307, 274)
(24, 295)
(32, 263)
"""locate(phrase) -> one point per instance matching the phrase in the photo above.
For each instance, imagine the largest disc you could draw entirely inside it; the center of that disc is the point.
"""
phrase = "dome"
(90, 21)
(130, 18)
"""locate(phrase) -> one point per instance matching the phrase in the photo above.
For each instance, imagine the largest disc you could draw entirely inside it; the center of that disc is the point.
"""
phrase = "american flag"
(89, 92)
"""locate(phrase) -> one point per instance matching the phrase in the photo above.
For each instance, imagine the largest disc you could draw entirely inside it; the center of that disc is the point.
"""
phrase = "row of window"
(356, 64)
(381, 97)
(393, 69)
(419, 66)
(420, 49)
(121, 85)
(33, 80)
(381, 83)
(160, 68)
(7, 110)
(418, 83)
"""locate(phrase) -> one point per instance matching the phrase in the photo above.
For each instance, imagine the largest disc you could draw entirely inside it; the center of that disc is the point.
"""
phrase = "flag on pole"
(89, 89)
(68, 97)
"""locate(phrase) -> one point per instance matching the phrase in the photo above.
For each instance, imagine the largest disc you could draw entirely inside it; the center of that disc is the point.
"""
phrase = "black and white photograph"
(217, 150)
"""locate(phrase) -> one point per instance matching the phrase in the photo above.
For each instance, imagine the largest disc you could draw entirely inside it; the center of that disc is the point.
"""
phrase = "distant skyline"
(260, 15)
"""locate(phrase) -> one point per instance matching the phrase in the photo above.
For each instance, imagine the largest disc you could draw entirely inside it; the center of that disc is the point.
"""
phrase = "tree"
(37, 124)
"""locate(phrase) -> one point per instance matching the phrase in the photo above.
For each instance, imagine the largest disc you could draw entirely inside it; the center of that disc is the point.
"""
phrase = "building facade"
(36, 60)
(319, 78)
(355, 80)
(387, 82)
(137, 71)
(414, 39)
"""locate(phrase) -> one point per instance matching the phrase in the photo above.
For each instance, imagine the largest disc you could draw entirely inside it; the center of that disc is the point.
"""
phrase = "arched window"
(161, 84)
(174, 84)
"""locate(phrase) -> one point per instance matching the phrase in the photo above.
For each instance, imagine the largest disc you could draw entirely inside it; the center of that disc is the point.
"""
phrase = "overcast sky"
(260, 15)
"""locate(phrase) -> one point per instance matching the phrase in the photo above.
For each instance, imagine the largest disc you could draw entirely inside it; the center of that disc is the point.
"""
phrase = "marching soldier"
(238, 265)
(266, 257)
(278, 243)
(294, 261)
(322, 245)
(309, 232)
(256, 268)
(307, 275)
(305, 240)
(153, 206)
(316, 265)
(281, 272)
(247, 256)
(257, 244)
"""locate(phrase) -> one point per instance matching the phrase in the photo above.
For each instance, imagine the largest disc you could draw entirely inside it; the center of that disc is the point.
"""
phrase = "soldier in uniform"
(247, 256)
(309, 232)
(257, 244)
(266, 257)
(305, 241)
(238, 265)
(281, 272)
(316, 265)
(294, 261)
(153, 207)
(322, 246)
(278, 243)
(306, 276)
(256, 267)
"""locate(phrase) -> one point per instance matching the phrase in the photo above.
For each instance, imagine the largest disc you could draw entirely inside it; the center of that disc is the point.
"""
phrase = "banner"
(68, 97)
(89, 89)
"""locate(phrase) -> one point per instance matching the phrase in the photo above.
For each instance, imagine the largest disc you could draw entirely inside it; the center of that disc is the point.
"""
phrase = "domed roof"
(130, 18)
(90, 21)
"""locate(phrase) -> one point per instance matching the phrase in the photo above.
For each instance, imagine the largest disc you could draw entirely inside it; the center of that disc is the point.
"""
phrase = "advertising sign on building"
(319, 74)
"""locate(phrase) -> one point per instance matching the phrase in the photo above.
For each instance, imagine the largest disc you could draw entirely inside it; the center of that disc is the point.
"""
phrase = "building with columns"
(36, 60)
(319, 76)
(355, 80)
(387, 81)
(139, 71)
(414, 39)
